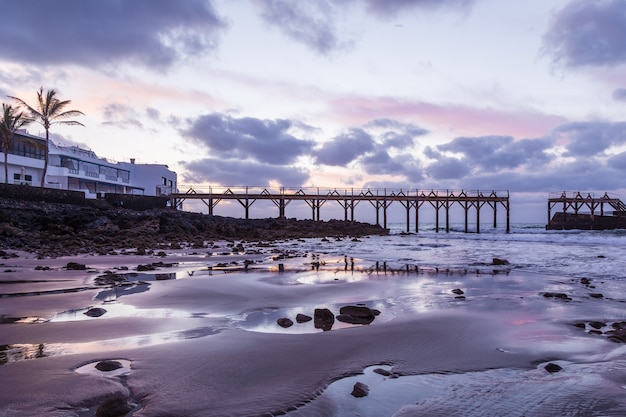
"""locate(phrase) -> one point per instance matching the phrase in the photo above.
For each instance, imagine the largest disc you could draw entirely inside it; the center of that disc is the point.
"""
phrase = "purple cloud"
(586, 139)
(266, 141)
(309, 23)
(152, 33)
(619, 94)
(588, 33)
(234, 172)
(345, 148)
(313, 23)
(499, 152)
(390, 8)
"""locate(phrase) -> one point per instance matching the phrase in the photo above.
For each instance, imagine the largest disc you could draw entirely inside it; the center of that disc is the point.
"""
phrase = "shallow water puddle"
(579, 389)
(92, 368)
(114, 309)
(20, 351)
(265, 320)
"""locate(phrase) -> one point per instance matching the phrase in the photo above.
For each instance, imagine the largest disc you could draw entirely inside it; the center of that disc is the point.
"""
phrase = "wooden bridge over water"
(583, 210)
(348, 199)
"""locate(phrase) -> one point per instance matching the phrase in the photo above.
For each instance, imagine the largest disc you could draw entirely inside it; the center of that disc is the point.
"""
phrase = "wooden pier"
(583, 210)
(348, 199)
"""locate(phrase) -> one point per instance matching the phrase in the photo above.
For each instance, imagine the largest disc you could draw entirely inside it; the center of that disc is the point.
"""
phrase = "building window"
(163, 181)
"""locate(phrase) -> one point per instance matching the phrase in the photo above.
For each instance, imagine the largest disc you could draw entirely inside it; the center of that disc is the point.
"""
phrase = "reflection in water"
(19, 352)
(322, 318)
(114, 309)
(91, 368)
(581, 389)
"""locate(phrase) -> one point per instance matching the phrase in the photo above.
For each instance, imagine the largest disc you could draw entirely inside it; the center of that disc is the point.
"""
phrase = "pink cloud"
(462, 120)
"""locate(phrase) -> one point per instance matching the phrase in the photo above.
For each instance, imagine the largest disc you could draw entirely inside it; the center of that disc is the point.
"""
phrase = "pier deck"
(348, 199)
(583, 210)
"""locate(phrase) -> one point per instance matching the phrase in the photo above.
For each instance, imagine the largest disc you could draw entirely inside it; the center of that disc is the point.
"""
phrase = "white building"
(73, 168)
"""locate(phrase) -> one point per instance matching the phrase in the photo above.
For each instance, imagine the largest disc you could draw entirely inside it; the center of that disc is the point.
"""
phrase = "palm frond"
(69, 123)
(34, 113)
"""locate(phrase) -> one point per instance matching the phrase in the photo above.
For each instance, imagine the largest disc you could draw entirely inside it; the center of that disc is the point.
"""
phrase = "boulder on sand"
(323, 319)
(356, 314)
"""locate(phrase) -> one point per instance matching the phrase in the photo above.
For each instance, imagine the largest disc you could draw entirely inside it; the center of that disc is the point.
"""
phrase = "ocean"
(538, 262)
(468, 324)
(528, 248)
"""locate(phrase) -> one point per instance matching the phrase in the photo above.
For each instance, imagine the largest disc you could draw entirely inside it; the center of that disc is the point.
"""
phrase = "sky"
(525, 96)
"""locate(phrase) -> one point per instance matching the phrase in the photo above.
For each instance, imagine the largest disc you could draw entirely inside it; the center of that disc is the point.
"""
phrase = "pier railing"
(579, 202)
(349, 198)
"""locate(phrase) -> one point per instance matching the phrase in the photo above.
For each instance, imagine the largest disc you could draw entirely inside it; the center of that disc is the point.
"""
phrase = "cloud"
(121, 115)
(618, 163)
(588, 33)
(314, 23)
(499, 152)
(380, 162)
(396, 134)
(266, 141)
(234, 172)
(152, 33)
(345, 148)
(390, 8)
(584, 139)
(306, 22)
(445, 167)
(619, 94)
(470, 120)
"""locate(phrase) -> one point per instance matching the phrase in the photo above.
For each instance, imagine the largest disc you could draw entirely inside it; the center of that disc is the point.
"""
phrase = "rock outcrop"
(54, 229)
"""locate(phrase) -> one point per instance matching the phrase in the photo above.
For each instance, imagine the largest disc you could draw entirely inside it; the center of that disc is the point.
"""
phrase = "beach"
(194, 332)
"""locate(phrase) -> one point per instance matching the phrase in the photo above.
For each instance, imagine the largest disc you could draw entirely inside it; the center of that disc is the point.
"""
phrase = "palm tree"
(47, 112)
(11, 121)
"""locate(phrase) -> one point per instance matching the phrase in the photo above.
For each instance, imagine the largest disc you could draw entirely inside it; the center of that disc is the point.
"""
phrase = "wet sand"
(198, 336)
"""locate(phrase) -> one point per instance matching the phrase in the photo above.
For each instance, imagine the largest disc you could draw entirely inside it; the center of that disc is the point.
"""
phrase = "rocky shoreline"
(52, 229)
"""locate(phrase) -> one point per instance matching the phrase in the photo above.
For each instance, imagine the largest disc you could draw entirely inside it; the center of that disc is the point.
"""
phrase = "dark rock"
(95, 312)
(303, 318)
(74, 266)
(42, 268)
(52, 229)
(323, 319)
(143, 268)
(356, 315)
(117, 406)
(552, 368)
(346, 318)
(108, 365)
(558, 295)
(584, 281)
(383, 372)
(596, 295)
(284, 322)
(458, 291)
(357, 311)
(498, 261)
(617, 335)
(360, 390)
(597, 324)
(580, 325)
